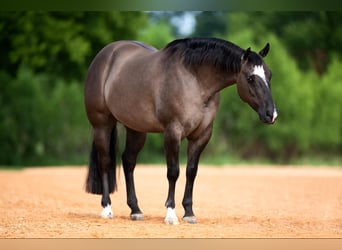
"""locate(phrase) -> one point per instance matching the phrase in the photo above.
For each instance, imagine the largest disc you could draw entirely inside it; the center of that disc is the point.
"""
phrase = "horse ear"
(265, 50)
(246, 54)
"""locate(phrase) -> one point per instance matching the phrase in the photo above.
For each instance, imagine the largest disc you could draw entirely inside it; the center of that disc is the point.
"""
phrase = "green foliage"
(62, 43)
(309, 37)
(44, 60)
(45, 56)
(156, 34)
(293, 93)
(210, 24)
(327, 122)
(309, 106)
(39, 121)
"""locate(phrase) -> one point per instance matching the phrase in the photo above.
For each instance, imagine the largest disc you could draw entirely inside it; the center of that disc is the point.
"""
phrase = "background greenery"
(45, 56)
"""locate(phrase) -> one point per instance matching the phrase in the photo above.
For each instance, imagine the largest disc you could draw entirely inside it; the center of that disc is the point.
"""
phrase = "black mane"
(222, 54)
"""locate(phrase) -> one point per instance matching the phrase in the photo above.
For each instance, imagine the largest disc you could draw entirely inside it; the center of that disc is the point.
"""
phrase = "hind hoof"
(190, 219)
(107, 212)
(137, 216)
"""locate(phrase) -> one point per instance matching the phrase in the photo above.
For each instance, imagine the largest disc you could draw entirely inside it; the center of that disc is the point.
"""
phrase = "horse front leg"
(172, 139)
(195, 148)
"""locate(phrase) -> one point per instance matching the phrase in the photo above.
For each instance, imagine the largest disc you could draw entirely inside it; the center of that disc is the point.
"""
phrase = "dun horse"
(174, 91)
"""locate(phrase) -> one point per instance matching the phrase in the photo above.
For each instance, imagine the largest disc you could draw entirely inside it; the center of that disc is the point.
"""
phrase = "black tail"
(94, 180)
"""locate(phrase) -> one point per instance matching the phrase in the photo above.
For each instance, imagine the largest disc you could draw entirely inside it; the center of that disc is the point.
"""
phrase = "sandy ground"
(229, 202)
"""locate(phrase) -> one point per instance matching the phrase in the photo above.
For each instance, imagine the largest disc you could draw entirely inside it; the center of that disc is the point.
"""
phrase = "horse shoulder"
(208, 111)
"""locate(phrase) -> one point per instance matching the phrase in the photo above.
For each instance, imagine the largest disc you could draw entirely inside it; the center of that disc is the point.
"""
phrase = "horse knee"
(173, 173)
(191, 172)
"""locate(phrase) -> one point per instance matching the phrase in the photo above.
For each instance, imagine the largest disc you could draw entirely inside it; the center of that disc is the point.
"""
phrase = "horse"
(174, 91)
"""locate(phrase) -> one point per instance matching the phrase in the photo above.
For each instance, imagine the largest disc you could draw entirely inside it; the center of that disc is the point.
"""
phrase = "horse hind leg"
(102, 169)
(134, 143)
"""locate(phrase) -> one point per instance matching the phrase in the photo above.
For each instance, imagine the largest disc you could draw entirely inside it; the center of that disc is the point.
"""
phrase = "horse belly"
(134, 109)
(138, 120)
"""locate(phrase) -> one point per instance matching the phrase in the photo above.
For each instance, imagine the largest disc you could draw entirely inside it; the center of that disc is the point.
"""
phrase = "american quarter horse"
(174, 91)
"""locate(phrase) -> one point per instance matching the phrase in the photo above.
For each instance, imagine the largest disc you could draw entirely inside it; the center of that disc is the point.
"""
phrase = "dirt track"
(229, 201)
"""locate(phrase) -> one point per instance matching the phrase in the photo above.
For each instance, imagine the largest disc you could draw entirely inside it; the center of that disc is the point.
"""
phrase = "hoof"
(171, 221)
(137, 216)
(190, 219)
(107, 212)
(171, 218)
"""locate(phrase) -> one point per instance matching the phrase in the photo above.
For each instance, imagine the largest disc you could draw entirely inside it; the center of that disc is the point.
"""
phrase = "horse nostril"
(269, 114)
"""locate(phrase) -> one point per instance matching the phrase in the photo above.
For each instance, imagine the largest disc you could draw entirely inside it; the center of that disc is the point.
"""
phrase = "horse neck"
(212, 80)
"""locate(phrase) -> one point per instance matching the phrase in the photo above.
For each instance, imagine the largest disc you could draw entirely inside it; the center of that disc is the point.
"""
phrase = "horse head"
(253, 84)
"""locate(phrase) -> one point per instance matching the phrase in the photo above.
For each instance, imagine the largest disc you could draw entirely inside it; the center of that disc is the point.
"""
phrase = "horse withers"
(174, 91)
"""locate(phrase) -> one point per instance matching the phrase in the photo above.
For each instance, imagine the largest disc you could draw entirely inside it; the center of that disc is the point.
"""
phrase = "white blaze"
(259, 71)
(275, 114)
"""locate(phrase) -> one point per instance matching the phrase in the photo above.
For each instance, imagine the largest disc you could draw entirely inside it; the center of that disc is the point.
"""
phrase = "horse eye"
(250, 79)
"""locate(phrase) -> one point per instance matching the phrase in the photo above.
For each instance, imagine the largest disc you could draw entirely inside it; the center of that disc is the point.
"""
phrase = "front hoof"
(190, 219)
(171, 218)
(171, 221)
(138, 216)
(107, 212)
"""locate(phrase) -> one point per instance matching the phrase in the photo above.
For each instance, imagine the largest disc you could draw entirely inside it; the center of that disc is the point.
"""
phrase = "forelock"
(255, 59)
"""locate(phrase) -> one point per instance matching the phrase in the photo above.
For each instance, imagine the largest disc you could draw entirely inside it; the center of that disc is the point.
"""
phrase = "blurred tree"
(157, 34)
(305, 86)
(310, 37)
(41, 123)
(209, 24)
(61, 43)
(167, 17)
(44, 57)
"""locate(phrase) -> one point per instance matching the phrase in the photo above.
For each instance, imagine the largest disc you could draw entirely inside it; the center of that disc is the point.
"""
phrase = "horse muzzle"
(268, 116)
